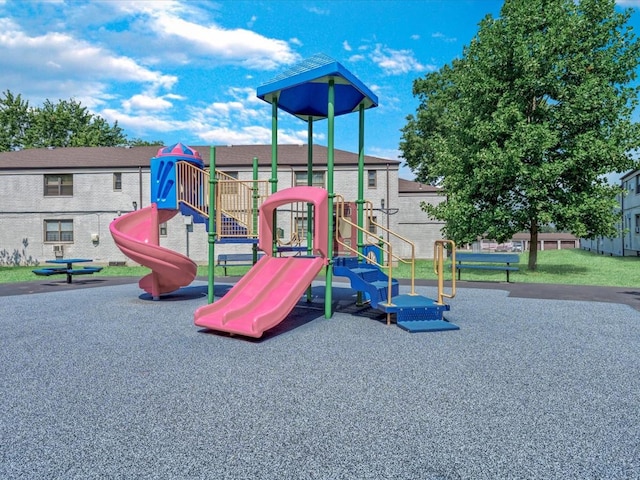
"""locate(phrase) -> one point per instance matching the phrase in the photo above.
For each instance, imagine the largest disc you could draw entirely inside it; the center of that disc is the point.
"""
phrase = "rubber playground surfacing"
(105, 383)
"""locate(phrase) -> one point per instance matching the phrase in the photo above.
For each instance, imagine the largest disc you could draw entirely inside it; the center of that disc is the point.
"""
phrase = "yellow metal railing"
(439, 257)
(193, 187)
(370, 238)
(237, 201)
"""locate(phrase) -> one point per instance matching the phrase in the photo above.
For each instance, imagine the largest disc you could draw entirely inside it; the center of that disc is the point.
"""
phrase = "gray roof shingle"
(134, 157)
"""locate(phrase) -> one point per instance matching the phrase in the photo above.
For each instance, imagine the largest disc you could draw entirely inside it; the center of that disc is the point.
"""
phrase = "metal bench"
(226, 260)
(487, 261)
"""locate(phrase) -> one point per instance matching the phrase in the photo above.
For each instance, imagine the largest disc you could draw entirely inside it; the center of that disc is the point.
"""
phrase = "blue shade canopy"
(303, 90)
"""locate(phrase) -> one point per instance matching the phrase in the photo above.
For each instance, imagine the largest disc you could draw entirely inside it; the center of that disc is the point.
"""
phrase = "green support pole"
(361, 178)
(255, 197)
(309, 183)
(274, 146)
(360, 201)
(274, 167)
(330, 158)
(212, 222)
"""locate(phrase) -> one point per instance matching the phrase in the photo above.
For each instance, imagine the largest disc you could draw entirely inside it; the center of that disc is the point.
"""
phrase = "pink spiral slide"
(136, 235)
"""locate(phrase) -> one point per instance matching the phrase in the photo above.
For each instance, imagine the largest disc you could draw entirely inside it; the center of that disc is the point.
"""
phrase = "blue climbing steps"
(414, 313)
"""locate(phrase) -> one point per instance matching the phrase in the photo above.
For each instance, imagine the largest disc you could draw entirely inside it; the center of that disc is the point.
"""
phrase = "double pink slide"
(136, 234)
(262, 298)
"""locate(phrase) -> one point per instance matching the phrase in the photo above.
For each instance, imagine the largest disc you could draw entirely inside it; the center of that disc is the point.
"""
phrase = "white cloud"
(443, 37)
(318, 10)
(250, 135)
(42, 59)
(346, 46)
(415, 37)
(146, 102)
(143, 123)
(356, 58)
(628, 3)
(397, 62)
(238, 46)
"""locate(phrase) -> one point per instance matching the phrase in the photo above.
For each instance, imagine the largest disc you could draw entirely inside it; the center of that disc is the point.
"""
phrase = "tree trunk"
(533, 247)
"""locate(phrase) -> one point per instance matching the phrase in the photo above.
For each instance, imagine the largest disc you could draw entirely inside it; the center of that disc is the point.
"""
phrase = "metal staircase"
(367, 274)
(236, 202)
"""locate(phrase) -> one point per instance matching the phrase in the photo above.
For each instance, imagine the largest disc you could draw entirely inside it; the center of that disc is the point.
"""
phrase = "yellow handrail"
(371, 239)
(236, 199)
(438, 267)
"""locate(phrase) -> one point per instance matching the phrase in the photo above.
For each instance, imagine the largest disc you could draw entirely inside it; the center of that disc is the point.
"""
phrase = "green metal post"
(330, 158)
(361, 178)
(255, 197)
(274, 167)
(360, 201)
(309, 183)
(274, 146)
(212, 222)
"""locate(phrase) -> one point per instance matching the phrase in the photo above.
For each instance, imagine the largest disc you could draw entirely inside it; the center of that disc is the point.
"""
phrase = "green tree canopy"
(522, 129)
(63, 124)
(15, 116)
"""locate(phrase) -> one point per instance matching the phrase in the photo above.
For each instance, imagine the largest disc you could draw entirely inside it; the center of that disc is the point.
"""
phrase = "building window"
(302, 181)
(637, 184)
(58, 231)
(117, 181)
(162, 228)
(372, 178)
(58, 185)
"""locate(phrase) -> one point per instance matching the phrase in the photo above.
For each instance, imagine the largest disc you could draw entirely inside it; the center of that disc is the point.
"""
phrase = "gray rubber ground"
(105, 383)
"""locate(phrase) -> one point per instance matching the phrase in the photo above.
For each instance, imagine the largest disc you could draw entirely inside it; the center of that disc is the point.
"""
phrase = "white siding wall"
(95, 204)
(92, 207)
(416, 225)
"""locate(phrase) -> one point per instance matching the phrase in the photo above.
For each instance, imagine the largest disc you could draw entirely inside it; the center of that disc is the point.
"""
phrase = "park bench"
(486, 261)
(226, 260)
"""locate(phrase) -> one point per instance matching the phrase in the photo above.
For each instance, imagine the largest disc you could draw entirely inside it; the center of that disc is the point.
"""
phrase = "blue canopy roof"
(303, 89)
(180, 151)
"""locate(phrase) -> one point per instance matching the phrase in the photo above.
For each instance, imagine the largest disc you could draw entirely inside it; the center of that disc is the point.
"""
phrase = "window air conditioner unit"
(58, 251)
(637, 229)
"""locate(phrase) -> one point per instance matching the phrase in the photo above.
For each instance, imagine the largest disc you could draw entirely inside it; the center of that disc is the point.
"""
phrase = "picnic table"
(68, 268)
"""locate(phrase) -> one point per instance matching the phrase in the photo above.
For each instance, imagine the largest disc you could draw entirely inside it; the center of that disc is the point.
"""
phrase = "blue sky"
(188, 70)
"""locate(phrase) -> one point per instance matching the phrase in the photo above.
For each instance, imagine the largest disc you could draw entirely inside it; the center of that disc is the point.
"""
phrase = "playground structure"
(317, 89)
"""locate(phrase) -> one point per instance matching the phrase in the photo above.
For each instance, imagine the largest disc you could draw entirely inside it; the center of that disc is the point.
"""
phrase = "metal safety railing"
(439, 257)
(369, 238)
(236, 201)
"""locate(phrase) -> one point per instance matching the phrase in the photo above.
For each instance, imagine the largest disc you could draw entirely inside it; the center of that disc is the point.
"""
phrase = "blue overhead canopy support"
(303, 90)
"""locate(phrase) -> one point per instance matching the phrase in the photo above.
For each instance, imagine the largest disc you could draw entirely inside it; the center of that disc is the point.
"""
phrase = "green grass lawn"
(564, 267)
(567, 267)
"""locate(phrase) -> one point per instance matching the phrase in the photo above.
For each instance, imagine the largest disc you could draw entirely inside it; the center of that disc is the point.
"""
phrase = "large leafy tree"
(15, 117)
(69, 124)
(522, 129)
(63, 124)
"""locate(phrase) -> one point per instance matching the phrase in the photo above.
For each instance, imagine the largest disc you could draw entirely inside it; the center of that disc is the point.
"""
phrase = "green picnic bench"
(486, 261)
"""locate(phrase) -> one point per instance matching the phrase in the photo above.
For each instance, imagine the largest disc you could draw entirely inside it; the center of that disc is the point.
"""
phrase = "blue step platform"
(414, 313)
